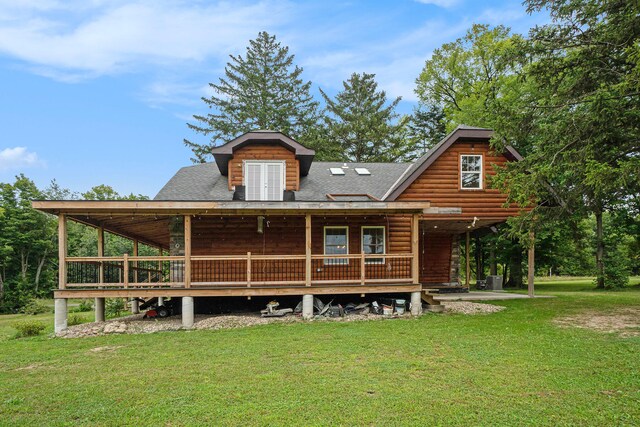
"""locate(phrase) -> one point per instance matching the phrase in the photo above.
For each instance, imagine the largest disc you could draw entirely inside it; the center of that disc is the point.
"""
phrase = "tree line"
(29, 239)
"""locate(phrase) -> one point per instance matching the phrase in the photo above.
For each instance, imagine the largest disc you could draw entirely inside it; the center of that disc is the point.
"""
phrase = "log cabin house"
(265, 219)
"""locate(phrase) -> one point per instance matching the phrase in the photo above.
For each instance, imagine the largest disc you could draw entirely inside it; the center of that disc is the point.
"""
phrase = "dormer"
(264, 163)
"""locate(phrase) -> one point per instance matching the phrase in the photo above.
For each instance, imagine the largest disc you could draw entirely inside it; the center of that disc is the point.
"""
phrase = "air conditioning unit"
(494, 283)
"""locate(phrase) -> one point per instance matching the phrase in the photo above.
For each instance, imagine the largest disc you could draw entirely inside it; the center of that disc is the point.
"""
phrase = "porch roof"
(148, 220)
(182, 207)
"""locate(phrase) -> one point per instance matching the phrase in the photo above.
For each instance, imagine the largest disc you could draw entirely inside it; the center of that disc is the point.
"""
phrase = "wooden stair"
(427, 296)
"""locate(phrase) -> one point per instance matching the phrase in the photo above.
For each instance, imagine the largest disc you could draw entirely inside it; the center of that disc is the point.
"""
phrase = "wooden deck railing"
(238, 270)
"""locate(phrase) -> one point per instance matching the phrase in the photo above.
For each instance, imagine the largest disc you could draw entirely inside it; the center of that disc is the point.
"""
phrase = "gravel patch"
(135, 324)
(467, 307)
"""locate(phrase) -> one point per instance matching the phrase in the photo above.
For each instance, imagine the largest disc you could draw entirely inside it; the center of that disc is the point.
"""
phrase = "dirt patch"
(625, 322)
(467, 307)
(105, 348)
(29, 367)
(135, 324)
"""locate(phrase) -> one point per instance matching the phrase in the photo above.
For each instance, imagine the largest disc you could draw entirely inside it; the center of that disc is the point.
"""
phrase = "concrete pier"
(135, 306)
(99, 309)
(187, 312)
(307, 307)
(60, 308)
(416, 304)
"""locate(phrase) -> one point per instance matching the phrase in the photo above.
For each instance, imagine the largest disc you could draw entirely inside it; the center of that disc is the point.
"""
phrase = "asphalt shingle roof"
(204, 182)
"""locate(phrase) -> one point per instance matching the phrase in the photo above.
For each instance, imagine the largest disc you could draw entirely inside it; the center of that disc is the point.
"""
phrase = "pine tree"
(427, 127)
(363, 127)
(263, 90)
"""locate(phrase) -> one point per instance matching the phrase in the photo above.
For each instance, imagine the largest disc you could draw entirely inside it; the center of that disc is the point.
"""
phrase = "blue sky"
(99, 92)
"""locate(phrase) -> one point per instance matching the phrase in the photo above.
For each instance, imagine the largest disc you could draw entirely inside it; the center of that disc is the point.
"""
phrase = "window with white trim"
(471, 171)
(336, 242)
(373, 242)
(264, 180)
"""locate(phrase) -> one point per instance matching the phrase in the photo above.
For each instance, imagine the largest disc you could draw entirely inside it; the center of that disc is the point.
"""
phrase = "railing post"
(362, 268)
(307, 263)
(187, 251)
(248, 269)
(125, 269)
(62, 251)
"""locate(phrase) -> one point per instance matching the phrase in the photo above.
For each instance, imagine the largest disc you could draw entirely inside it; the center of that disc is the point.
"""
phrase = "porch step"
(427, 297)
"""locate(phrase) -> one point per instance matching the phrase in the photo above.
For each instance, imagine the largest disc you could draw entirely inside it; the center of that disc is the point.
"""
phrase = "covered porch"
(239, 249)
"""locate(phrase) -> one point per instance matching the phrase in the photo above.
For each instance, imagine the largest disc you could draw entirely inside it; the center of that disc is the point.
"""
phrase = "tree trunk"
(39, 269)
(505, 273)
(24, 264)
(493, 265)
(599, 251)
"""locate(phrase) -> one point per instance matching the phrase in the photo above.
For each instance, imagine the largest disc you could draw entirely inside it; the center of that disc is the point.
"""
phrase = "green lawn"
(515, 367)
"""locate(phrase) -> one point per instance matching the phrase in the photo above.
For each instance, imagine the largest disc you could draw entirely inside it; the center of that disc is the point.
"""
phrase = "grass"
(511, 368)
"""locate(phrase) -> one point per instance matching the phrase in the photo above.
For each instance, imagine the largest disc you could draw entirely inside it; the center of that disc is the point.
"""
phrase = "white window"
(471, 171)
(373, 242)
(336, 242)
(264, 180)
(336, 171)
(362, 171)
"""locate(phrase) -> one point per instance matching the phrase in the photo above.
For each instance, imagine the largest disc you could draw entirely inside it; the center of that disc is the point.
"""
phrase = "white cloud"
(17, 158)
(440, 3)
(61, 42)
(396, 62)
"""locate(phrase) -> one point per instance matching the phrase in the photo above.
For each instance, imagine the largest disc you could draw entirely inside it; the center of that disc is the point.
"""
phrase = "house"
(265, 219)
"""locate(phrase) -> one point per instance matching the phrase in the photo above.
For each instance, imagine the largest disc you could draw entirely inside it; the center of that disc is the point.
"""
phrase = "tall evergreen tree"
(427, 127)
(263, 90)
(363, 126)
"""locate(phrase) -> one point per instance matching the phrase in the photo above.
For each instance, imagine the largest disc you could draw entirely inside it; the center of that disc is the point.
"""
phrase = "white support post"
(160, 300)
(416, 304)
(99, 309)
(307, 307)
(60, 308)
(187, 312)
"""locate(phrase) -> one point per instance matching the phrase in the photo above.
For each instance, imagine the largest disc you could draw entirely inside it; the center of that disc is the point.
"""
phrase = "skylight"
(363, 171)
(336, 171)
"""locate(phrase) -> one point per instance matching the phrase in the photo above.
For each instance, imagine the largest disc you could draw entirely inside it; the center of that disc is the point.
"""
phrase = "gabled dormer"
(263, 164)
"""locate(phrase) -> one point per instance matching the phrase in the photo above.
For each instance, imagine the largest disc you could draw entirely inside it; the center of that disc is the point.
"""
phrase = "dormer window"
(471, 171)
(264, 180)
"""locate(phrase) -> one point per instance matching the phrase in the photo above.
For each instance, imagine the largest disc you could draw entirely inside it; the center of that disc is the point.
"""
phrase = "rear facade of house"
(265, 219)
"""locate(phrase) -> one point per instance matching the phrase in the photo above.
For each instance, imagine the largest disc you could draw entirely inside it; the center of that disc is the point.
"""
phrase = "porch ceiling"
(150, 230)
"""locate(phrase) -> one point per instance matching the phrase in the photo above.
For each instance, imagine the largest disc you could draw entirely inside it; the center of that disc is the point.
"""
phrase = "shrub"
(85, 305)
(29, 328)
(35, 306)
(74, 319)
(114, 307)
